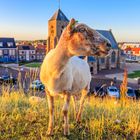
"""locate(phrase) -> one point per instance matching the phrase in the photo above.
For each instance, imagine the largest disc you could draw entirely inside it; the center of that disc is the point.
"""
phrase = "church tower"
(55, 27)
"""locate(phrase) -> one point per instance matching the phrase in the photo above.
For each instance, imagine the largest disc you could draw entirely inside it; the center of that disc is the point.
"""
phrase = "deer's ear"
(71, 25)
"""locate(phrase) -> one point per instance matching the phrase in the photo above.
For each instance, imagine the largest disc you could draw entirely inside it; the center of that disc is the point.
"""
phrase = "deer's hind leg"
(75, 105)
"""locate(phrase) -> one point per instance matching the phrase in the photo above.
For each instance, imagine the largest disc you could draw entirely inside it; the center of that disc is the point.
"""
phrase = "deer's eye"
(82, 30)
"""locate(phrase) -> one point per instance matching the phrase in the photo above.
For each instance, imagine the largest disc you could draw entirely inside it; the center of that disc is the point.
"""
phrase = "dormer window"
(10, 44)
(1, 44)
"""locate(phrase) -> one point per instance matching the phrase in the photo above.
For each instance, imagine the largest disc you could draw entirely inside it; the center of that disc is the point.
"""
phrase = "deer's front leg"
(51, 113)
(65, 113)
(82, 100)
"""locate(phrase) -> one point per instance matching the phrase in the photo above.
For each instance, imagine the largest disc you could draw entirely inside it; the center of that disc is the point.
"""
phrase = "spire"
(59, 15)
(58, 4)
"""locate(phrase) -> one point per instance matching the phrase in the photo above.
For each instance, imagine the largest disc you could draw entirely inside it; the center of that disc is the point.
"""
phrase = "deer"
(65, 74)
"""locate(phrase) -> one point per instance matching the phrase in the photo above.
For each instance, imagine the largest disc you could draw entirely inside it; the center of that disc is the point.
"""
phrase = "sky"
(28, 19)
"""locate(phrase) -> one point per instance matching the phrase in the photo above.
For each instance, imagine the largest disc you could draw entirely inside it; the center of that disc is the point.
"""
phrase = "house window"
(5, 51)
(113, 57)
(52, 31)
(10, 44)
(62, 27)
(1, 44)
(32, 57)
(33, 52)
(11, 52)
(1, 53)
(12, 57)
(21, 57)
(41, 57)
(38, 57)
(102, 60)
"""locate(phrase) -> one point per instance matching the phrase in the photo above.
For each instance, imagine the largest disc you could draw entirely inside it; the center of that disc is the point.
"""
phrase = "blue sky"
(28, 19)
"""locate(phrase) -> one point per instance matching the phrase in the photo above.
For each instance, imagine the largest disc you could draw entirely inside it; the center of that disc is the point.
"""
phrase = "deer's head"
(82, 40)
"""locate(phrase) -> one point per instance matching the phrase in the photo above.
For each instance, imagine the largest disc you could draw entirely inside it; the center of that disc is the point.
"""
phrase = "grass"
(33, 64)
(23, 63)
(102, 119)
(135, 74)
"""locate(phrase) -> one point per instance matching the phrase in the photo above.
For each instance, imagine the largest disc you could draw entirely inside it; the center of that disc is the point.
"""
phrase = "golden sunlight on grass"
(102, 119)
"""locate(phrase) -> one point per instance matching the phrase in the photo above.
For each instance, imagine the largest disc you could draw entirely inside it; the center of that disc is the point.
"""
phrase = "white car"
(112, 91)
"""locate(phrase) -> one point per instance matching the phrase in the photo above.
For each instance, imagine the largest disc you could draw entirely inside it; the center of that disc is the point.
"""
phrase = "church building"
(55, 27)
(59, 21)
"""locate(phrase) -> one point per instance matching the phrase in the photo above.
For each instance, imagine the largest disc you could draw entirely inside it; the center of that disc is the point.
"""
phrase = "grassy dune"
(33, 65)
(135, 74)
(102, 119)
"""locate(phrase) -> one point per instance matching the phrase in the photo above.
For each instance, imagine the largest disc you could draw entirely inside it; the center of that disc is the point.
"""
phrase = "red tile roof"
(40, 46)
(135, 51)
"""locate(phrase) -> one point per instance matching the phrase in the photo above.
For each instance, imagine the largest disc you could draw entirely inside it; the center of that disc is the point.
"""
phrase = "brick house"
(26, 53)
(40, 52)
(132, 54)
(8, 51)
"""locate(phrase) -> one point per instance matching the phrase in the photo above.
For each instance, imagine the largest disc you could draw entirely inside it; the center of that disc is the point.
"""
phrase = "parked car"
(112, 91)
(137, 92)
(131, 93)
(6, 79)
(37, 85)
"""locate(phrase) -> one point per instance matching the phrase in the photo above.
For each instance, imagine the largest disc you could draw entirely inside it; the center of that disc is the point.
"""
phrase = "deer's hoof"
(66, 132)
(78, 120)
(49, 132)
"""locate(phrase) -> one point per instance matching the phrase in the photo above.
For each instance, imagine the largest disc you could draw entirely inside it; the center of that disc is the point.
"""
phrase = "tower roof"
(59, 15)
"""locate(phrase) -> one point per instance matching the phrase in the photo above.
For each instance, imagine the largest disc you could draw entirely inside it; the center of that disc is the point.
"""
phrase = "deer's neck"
(60, 59)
